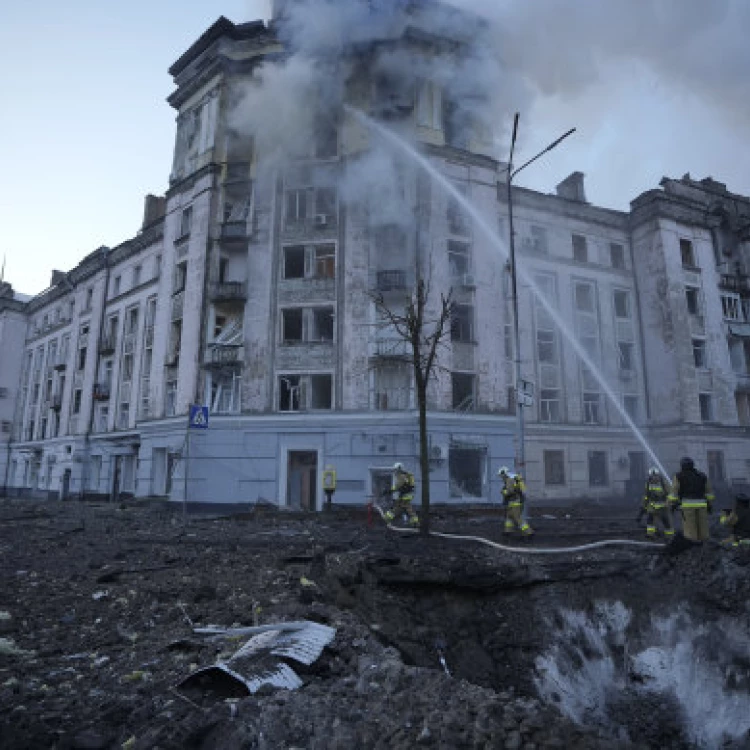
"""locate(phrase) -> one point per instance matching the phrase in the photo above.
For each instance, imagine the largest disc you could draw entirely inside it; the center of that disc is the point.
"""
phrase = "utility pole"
(520, 427)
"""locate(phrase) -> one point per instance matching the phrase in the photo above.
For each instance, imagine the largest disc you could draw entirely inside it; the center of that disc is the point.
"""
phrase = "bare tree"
(424, 332)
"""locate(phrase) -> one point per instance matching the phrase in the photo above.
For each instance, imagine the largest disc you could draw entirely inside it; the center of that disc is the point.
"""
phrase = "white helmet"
(503, 470)
(653, 471)
(398, 466)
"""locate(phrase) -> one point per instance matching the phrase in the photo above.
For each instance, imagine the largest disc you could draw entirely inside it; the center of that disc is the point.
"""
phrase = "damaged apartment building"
(249, 289)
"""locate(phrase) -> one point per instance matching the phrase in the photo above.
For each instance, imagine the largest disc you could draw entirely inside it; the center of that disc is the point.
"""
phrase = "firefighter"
(514, 500)
(403, 487)
(692, 494)
(738, 521)
(655, 506)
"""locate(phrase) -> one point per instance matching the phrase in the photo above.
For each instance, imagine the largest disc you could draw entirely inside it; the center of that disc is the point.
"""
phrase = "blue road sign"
(198, 417)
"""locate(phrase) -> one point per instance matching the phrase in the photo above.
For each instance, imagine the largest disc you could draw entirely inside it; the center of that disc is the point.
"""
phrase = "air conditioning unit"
(438, 452)
(321, 220)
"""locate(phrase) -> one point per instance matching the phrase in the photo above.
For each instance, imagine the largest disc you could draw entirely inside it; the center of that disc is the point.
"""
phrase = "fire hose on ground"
(524, 550)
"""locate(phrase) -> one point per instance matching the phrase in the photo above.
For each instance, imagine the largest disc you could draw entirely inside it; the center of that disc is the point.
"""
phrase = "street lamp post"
(520, 449)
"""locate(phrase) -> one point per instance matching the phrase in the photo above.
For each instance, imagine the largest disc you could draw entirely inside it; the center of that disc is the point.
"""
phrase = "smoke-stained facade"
(249, 290)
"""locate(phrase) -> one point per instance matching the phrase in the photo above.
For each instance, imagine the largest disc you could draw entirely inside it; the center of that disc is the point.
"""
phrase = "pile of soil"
(435, 639)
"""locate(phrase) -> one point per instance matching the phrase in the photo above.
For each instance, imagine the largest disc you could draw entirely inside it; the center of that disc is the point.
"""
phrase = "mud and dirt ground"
(98, 603)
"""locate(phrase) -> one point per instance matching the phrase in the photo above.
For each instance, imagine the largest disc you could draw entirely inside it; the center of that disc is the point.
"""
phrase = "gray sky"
(655, 87)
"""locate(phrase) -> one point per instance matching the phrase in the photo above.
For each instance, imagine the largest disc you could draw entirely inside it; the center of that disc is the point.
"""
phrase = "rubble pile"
(417, 642)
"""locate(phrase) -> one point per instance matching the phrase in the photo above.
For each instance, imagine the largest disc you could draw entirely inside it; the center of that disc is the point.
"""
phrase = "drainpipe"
(90, 425)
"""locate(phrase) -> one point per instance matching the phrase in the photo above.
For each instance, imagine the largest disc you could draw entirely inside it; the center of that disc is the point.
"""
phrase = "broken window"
(730, 306)
(463, 386)
(630, 404)
(598, 469)
(554, 467)
(549, 405)
(580, 248)
(326, 137)
(706, 407)
(225, 393)
(325, 261)
(392, 387)
(621, 302)
(591, 408)
(289, 392)
(692, 300)
(686, 254)
(546, 345)
(186, 222)
(390, 239)
(462, 323)
(458, 222)
(625, 351)
(325, 202)
(538, 239)
(322, 324)
(429, 105)
(291, 322)
(466, 470)
(321, 391)
(699, 352)
(459, 259)
(296, 207)
(617, 255)
(584, 297)
(294, 262)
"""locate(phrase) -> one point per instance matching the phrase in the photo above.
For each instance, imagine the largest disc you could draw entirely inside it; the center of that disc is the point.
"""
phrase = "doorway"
(637, 478)
(115, 496)
(302, 480)
(65, 485)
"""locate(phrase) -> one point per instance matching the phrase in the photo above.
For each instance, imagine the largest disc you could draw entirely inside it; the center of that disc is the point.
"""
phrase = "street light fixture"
(520, 450)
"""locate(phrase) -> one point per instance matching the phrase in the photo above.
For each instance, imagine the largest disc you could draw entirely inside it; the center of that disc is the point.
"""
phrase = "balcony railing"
(739, 283)
(223, 355)
(388, 281)
(107, 345)
(102, 391)
(228, 291)
(392, 348)
(234, 231)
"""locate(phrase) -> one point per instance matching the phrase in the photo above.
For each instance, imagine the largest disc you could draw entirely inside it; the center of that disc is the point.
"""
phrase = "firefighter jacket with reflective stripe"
(655, 494)
(513, 489)
(691, 489)
(403, 483)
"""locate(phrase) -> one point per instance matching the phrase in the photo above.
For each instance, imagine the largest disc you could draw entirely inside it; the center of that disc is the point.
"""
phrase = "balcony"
(392, 280)
(224, 355)
(391, 348)
(101, 391)
(107, 345)
(228, 291)
(739, 283)
(60, 364)
(173, 358)
(234, 231)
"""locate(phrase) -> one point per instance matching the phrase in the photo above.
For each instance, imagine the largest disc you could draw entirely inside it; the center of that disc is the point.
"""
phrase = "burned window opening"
(466, 469)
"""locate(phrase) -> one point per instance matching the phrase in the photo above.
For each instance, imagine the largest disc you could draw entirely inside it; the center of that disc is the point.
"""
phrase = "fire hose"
(525, 550)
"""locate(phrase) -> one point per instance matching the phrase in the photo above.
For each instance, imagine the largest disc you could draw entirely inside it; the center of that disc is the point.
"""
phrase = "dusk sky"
(654, 87)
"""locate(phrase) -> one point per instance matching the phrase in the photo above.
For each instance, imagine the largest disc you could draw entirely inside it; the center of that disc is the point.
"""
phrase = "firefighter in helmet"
(692, 494)
(655, 505)
(403, 488)
(514, 499)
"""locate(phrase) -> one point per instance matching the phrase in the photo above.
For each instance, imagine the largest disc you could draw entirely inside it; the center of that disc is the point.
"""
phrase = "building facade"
(250, 289)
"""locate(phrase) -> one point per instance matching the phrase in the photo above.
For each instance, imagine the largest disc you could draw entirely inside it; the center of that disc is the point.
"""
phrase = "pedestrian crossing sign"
(198, 417)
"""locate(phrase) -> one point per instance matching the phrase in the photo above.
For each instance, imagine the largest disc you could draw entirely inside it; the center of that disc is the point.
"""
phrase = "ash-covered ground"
(98, 605)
